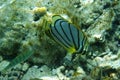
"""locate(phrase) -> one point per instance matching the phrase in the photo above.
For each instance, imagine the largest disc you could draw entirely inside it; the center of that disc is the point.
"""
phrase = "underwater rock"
(19, 30)
(35, 72)
(97, 30)
(3, 64)
(25, 66)
(39, 12)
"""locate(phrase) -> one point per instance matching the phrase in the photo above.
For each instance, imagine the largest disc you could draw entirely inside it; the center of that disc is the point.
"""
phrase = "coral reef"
(23, 28)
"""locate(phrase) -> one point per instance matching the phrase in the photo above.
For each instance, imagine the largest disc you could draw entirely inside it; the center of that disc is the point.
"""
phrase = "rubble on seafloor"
(22, 27)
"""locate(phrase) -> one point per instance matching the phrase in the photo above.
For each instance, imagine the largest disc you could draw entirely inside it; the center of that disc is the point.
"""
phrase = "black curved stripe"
(72, 30)
(84, 43)
(56, 30)
(68, 35)
(66, 31)
(72, 36)
(57, 27)
(75, 35)
(57, 21)
(81, 39)
(56, 37)
(78, 42)
(64, 28)
(61, 37)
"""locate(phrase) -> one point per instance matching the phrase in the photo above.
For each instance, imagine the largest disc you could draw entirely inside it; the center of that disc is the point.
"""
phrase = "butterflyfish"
(72, 38)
